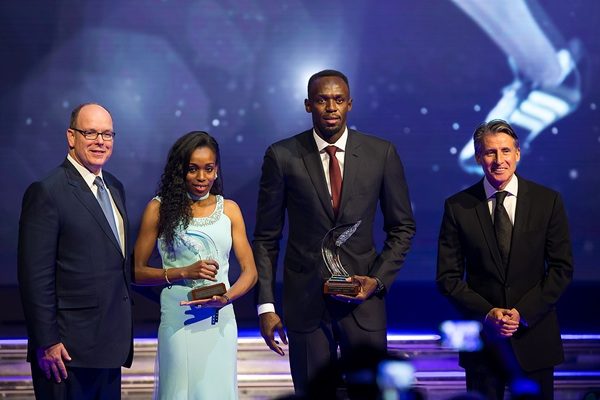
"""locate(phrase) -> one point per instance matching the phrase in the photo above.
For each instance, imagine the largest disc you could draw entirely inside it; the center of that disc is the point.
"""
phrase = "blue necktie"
(104, 201)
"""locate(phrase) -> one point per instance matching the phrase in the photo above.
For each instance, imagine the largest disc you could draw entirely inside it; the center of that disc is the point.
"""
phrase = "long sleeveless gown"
(197, 348)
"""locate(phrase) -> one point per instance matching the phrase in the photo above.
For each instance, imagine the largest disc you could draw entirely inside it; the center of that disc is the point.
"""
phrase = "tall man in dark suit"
(296, 176)
(504, 258)
(73, 269)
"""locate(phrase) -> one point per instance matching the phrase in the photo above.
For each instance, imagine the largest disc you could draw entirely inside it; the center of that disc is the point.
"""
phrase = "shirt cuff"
(265, 308)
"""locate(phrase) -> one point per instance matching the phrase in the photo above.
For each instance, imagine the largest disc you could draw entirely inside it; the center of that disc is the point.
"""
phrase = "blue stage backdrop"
(423, 74)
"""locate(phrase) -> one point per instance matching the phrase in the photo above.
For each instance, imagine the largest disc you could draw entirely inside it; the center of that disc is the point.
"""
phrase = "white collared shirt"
(89, 177)
(510, 202)
(340, 144)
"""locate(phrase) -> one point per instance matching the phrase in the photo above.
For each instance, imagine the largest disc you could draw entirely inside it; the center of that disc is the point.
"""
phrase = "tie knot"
(500, 196)
(99, 183)
(331, 150)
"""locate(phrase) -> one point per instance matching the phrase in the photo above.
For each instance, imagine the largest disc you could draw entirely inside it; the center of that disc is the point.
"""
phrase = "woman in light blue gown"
(195, 228)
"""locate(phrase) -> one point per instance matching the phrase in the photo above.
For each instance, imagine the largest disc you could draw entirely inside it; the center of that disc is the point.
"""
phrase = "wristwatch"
(380, 286)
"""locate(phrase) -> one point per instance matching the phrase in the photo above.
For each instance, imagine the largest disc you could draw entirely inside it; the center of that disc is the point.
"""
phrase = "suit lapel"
(351, 167)
(314, 167)
(85, 195)
(485, 220)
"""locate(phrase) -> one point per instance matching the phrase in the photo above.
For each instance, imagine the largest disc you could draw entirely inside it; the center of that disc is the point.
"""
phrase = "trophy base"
(341, 286)
(206, 292)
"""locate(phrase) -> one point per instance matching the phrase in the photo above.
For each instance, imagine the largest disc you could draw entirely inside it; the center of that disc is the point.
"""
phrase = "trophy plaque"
(337, 283)
(204, 247)
(207, 291)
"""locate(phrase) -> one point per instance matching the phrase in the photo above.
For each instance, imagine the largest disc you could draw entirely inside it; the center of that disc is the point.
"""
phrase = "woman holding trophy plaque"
(195, 229)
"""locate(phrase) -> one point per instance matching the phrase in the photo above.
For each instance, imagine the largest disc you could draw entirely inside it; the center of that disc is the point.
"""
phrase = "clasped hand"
(502, 321)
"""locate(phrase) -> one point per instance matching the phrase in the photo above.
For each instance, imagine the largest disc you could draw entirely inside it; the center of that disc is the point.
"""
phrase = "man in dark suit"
(505, 259)
(321, 191)
(73, 269)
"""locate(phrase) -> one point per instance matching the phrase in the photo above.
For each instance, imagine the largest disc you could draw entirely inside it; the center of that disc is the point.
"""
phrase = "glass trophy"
(337, 283)
(204, 247)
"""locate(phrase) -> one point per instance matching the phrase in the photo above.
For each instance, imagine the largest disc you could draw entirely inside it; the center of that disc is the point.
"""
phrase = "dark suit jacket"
(293, 179)
(73, 278)
(470, 271)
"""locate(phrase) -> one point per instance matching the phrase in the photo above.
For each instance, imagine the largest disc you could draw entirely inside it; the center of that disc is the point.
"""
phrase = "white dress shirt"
(340, 144)
(510, 202)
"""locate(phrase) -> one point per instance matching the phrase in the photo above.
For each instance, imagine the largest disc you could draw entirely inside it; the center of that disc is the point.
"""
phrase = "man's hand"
(513, 322)
(368, 286)
(50, 361)
(503, 322)
(269, 323)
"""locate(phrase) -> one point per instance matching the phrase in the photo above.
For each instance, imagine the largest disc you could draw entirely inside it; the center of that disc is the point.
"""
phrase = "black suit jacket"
(293, 179)
(74, 279)
(470, 271)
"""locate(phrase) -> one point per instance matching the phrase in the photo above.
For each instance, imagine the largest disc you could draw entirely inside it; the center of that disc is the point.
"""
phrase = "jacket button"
(125, 298)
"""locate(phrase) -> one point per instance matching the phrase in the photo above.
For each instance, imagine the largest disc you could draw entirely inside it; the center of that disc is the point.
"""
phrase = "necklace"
(198, 198)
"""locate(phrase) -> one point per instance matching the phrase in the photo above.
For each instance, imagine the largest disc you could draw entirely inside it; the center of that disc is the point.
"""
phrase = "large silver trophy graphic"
(204, 247)
(330, 246)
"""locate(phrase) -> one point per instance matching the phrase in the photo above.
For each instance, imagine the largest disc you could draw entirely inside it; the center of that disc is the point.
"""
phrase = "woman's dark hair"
(175, 205)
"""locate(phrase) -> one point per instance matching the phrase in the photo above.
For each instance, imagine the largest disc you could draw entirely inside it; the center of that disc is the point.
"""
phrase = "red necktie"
(335, 178)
